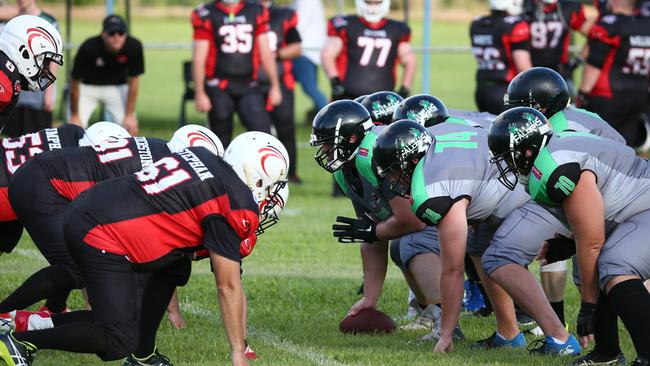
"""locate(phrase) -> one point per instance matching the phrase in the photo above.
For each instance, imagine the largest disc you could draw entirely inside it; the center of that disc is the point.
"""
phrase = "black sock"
(631, 302)
(73, 337)
(606, 327)
(47, 282)
(558, 308)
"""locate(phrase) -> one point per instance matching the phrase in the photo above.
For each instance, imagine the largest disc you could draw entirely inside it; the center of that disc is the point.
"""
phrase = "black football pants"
(623, 113)
(489, 97)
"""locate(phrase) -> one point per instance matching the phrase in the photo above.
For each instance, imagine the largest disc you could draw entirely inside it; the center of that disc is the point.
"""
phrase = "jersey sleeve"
(602, 38)
(578, 17)
(136, 65)
(201, 24)
(406, 34)
(6, 89)
(262, 21)
(292, 35)
(335, 26)
(551, 183)
(221, 238)
(520, 36)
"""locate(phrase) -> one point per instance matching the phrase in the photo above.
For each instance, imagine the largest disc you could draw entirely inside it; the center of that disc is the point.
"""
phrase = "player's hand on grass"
(586, 323)
(556, 249)
(203, 103)
(176, 318)
(351, 230)
(445, 345)
(366, 302)
(275, 96)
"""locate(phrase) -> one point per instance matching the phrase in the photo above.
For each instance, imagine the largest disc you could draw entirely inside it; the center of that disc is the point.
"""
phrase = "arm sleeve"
(578, 18)
(293, 36)
(434, 209)
(6, 90)
(221, 238)
(520, 36)
(601, 41)
(406, 37)
(562, 182)
(137, 59)
(202, 26)
(332, 31)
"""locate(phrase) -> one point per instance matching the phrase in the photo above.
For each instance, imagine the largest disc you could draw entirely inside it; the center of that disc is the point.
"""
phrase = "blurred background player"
(284, 42)
(313, 31)
(362, 51)
(616, 74)
(230, 43)
(34, 109)
(107, 71)
(500, 43)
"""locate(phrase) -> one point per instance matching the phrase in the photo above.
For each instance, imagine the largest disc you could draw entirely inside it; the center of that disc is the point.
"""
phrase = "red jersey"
(14, 152)
(10, 86)
(368, 61)
(494, 38)
(180, 203)
(233, 55)
(619, 45)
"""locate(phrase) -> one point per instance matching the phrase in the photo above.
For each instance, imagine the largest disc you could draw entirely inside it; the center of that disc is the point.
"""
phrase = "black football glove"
(404, 92)
(355, 230)
(338, 90)
(559, 249)
(586, 319)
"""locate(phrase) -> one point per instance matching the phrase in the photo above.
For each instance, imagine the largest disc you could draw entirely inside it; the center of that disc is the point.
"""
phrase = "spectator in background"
(107, 70)
(312, 29)
(234, 32)
(6, 12)
(33, 111)
(617, 71)
(500, 43)
(373, 46)
(284, 42)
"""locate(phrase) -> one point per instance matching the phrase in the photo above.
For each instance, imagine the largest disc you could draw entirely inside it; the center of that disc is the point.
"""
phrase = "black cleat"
(593, 358)
(640, 361)
(155, 359)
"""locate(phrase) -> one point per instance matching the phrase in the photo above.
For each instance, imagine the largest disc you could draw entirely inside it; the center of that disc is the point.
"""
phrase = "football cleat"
(548, 346)
(473, 300)
(593, 358)
(32, 320)
(155, 359)
(249, 353)
(425, 320)
(524, 320)
(14, 352)
(496, 340)
(5, 321)
(44, 308)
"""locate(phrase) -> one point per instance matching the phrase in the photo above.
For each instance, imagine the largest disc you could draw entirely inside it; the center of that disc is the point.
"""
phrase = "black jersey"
(619, 45)
(233, 53)
(16, 151)
(95, 65)
(72, 171)
(10, 86)
(550, 32)
(282, 31)
(641, 7)
(494, 38)
(368, 61)
(180, 203)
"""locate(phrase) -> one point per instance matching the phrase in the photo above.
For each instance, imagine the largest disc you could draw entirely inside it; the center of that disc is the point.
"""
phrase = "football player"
(381, 106)
(362, 51)
(43, 188)
(500, 43)
(600, 189)
(230, 43)
(186, 201)
(450, 183)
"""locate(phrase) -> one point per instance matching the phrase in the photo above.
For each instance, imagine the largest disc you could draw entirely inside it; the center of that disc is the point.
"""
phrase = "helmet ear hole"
(259, 183)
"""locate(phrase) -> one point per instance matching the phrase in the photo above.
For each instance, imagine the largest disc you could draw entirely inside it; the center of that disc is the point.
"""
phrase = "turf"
(299, 281)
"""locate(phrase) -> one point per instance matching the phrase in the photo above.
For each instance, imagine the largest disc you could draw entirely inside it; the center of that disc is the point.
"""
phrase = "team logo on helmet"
(427, 111)
(39, 34)
(270, 152)
(198, 138)
(385, 109)
(533, 125)
(420, 143)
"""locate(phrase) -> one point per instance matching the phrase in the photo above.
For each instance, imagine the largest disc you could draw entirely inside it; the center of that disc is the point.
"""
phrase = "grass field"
(299, 281)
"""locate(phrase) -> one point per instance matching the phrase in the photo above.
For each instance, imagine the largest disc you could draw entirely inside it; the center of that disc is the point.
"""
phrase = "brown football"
(367, 321)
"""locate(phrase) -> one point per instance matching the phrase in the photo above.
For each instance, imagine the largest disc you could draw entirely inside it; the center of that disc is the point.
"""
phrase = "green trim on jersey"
(578, 134)
(559, 122)
(418, 187)
(363, 159)
(544, 165)
(338, 177)
(459, 121)
(584, 111)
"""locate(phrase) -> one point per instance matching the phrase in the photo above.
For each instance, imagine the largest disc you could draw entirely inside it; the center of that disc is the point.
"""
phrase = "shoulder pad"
(202, 10)
(609, 19)
(512, 19)
(339, 21)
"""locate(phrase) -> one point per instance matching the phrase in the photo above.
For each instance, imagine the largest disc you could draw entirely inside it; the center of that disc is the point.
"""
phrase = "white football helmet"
(103, 131)
(32, 43)
(372, 10)
(512, 7)
(261, 161)
(195, 135)
(270, 209)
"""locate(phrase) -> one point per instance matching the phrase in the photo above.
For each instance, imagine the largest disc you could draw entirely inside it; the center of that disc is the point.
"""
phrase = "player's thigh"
(283, 114)
(223, 104)
(89, 97)
(252, 111)
(421, 242)
(479, 237)
(626, 250)
(114, 97)
(520, 236)
(10, 233)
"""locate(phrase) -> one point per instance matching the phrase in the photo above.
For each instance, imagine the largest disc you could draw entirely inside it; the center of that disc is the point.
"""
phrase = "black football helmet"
(338, 129)
(515, 139)
(540, 88)
(360, 98)
(424, 109)
(381, 106)
(397, 150)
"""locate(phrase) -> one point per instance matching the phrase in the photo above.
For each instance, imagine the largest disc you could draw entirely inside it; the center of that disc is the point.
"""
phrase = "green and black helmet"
(424, 109)
(540, 88)
(397, 150)
(515, 139)
(381, 106)
(338, 129)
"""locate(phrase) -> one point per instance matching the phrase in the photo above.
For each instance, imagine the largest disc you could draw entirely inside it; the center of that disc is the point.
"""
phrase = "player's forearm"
(409, 71)
(290, 51)
(231, 307)
(132, 96)
(374, 259)
(589, 78)
(394, 228)
(451, 291)
(522, 60)
(74, 96)
(328, 60)
(268, 60)
(200, 50)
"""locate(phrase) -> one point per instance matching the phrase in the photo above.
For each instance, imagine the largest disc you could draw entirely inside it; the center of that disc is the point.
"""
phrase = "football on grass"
(367, 321)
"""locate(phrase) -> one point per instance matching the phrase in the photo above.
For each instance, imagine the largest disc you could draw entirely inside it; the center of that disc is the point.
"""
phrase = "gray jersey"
(623, 178)
(358, 181)
(484, 119)
(580, 120)
(456, 166)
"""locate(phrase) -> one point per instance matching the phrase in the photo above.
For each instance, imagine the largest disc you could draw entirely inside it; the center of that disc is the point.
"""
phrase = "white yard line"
(272, 339)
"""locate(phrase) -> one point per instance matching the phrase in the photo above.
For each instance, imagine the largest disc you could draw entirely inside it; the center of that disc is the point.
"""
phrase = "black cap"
(113, 23)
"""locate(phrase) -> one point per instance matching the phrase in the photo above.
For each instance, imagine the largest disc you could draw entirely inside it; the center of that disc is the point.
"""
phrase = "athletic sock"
(558, 307)
(49, 281)
(631, 301)
(606, 327)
